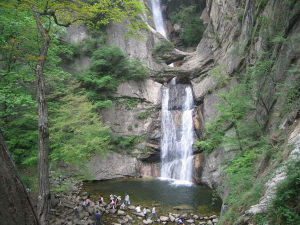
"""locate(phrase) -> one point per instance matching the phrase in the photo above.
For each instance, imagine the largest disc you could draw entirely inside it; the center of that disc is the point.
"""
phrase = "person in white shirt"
(138, 209)
(145, 213)
(153, 214)
(127, 201)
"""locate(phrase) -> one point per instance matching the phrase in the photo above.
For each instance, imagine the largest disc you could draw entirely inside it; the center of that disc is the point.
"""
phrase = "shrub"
(162, 48)
(285, 208)
(109, 67)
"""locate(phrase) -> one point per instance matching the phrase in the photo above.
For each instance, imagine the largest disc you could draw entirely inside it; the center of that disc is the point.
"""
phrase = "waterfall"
(177, 132)
(158, 18)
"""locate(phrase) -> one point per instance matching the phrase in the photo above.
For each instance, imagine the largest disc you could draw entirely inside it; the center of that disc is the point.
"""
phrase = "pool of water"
(164, 194)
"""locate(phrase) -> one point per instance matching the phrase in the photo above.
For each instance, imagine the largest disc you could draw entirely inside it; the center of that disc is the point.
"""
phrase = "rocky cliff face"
(236, 32)
(16, 207)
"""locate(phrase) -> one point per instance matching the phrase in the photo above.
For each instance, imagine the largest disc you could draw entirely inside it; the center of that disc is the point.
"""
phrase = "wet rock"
(164, 218)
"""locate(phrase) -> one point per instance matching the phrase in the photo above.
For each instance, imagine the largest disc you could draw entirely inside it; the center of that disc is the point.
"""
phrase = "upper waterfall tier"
(158, 18)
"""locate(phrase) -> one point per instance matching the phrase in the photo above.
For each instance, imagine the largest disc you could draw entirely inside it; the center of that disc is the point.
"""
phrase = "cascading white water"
(158, 18)
(177, 135)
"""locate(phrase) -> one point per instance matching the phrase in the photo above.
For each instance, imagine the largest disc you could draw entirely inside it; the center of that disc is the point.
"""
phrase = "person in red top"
(88, 202)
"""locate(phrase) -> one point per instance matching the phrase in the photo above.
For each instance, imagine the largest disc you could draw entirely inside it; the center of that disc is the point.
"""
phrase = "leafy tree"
(62, 13)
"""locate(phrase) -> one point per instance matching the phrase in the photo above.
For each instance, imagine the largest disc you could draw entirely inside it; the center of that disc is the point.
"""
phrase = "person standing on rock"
(153, 214)
(122, 206)
(98, 218)
(127, 201)
(76, 210)
(84, 205)
(112, 204)
(145, 213)
(138, 209)
(101, 199)
(88, 202)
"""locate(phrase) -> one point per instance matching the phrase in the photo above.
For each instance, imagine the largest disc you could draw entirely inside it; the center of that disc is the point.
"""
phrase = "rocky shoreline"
(63, 204)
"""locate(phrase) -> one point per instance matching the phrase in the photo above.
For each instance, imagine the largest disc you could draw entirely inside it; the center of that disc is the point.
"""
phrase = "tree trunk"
(43, 206)
(16, 207)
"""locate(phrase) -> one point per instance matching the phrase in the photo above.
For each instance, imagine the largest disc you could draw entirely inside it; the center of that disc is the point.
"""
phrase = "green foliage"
(193, 27)
(128, 103)
(285, 208)
(143, 115)
(162, 48)
(76, 131)
(126, 143)
(220, 75)
(109, 67)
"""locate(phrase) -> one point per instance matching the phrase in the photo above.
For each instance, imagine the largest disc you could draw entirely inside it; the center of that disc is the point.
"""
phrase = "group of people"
(145, 212)
(115, 202)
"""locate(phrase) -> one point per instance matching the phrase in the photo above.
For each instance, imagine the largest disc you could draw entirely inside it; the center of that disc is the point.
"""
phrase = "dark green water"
(146, 192)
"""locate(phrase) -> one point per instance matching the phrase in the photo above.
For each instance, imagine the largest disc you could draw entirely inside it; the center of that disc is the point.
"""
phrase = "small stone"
(209, 222)
(213, 217)
(195, 217)
(205, 218)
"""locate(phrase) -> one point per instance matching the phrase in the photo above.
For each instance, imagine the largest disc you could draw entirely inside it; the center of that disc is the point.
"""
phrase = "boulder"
(183, 216)
(129, 217)
(195, 217)
(131, 207)
(172, 218)
(148, 221)
(112, 211)
(121, 213)
(215, 220)
(209, 222)
(164, 218)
